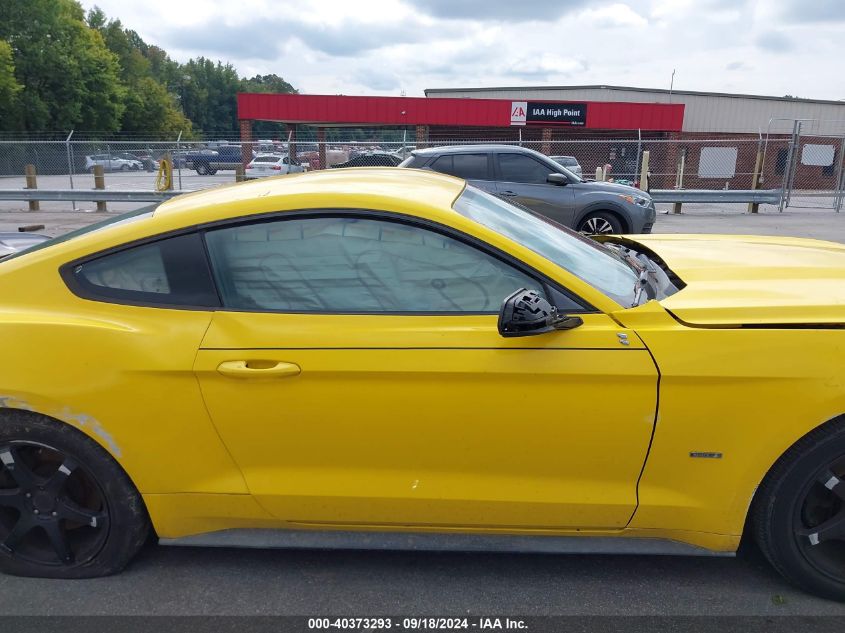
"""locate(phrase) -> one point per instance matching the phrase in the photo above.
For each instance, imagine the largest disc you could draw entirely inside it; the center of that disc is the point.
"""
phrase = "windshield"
(146, 211)
(582, 257)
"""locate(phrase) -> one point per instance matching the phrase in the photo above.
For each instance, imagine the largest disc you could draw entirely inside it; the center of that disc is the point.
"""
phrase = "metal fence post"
(70, 166)
(754, 207)
(32, 183)
(840, 177)
(789, 172)
(100, 183)
(177, 159)
(679, 177)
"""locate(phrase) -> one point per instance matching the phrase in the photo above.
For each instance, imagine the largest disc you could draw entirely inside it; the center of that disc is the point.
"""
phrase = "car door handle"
(508, 193)
(241, 369)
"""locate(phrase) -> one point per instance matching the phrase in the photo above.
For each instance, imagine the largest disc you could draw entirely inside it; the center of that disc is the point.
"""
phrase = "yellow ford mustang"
(391, 359)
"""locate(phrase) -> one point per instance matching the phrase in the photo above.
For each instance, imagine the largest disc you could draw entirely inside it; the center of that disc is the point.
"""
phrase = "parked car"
(206, 162)
(271, 165)
(371, 159)
(113, 162)
(146, 158)
(543, 186)
(571, 163)
(388, 347)
(15, 242)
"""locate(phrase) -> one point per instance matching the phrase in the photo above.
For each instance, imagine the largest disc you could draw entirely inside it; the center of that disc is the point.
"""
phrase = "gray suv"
(543, 186)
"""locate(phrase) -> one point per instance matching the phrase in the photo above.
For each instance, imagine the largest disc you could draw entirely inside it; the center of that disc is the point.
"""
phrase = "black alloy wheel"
(52, 511)
(798, 512)
(819, 520)
(67, 508)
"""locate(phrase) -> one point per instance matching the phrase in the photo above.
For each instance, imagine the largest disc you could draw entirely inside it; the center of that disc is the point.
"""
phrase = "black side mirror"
(557, 179)
(525, 313)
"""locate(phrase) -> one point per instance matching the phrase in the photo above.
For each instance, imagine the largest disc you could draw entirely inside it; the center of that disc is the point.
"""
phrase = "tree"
(267, 83)
(69, 78)
(9, 90)
(208, 94)
(149, 107)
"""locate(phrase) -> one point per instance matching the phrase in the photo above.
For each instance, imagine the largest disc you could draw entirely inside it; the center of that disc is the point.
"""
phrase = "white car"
(271, 165)
(112, 162)
(570, 162)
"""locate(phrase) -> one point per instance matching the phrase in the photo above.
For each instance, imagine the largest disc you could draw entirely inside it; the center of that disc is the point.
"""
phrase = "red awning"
(328, 110)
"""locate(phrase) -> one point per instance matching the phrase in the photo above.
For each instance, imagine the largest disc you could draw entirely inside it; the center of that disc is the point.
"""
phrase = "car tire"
(798, 507)
(211, 171)
(599, 223)
(124, 168)
(202, 170)
(82, 518)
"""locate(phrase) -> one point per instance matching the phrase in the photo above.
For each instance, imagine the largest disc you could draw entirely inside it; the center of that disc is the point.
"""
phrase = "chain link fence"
(810, 165)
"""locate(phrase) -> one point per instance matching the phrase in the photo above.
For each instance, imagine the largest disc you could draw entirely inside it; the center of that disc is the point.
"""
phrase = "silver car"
(571, 163)
(113, 162)
(11, 243)
(545, 187)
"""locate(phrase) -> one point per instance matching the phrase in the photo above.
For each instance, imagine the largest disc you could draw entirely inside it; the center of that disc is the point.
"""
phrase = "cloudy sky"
(385, 47)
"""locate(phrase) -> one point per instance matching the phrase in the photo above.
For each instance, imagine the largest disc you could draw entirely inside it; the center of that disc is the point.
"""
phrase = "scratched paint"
(11, 402)
(79, 420)
(83, 421)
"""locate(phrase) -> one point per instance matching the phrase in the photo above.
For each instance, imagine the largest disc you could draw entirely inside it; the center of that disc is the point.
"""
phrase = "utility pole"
(671, 85)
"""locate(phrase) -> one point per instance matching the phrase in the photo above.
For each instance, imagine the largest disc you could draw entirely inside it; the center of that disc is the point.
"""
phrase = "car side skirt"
(426, 541)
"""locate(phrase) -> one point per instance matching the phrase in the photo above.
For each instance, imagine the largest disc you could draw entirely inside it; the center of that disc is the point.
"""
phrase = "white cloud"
(614, 15)
(385, 46)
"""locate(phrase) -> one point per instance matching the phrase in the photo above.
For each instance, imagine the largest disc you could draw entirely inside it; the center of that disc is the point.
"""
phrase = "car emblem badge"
(623, 338)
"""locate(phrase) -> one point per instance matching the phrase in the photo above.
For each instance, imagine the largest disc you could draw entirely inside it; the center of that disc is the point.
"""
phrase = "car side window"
(356, 265)
(169, 272)
(466, 166)
(524, 169)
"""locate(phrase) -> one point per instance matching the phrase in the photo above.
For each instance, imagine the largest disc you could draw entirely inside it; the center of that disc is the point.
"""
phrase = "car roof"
(470, 149)
(379, 188)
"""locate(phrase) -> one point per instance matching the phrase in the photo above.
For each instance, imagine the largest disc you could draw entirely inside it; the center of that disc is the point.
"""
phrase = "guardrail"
(88, 195)
(756, 196)
(726, 196)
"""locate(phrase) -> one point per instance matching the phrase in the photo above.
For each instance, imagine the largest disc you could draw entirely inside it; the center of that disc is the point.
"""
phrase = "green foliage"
(61, 69)
(69, 78)
(10, 112)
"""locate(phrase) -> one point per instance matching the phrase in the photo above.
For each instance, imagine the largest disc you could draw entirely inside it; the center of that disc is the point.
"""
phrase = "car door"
(474, 167)
(524, 179)
(357, 377)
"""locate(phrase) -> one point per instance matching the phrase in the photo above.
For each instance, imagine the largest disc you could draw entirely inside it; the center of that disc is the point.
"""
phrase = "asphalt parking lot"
(184, 581)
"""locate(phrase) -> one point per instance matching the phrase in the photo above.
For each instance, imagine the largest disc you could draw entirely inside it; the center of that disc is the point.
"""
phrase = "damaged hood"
(752, 280)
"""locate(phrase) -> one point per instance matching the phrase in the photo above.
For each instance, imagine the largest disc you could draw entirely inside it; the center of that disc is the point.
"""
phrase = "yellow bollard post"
(644, 171)
(32, 183)
(100, 183)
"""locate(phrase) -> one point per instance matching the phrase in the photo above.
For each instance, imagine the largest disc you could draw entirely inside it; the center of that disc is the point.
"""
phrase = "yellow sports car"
(389, 358)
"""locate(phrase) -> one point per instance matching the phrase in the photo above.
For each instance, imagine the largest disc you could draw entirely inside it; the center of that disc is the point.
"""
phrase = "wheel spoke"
(833, 483)
(10, 498)
(21, 529)
(830, 530)
(57, 481)
(74, 512)
(19, 471)
(58, 539)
